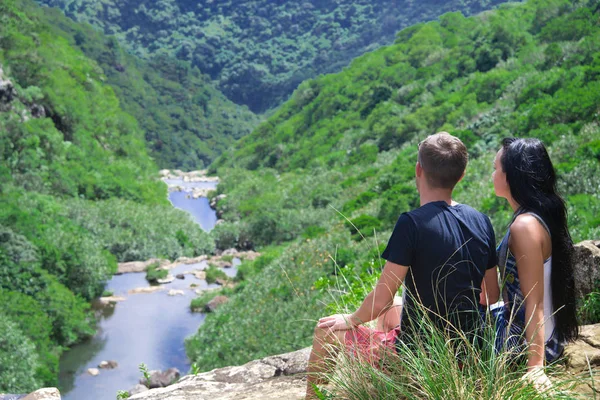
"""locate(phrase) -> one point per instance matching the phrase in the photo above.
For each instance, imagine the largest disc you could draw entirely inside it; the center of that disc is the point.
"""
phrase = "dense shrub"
(18, 359)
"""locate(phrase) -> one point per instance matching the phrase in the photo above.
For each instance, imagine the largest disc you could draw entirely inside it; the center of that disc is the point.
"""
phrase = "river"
(145, 328)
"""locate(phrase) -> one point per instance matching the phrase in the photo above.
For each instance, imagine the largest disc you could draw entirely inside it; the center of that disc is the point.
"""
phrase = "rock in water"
(160, 379)
(168, 279)
(215, 303)
(93, 371)
(108, 364)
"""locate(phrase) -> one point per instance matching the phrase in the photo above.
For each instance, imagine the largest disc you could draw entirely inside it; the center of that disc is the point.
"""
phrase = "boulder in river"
(174, 292)
(147, 289)
(111, 364)
(215, 303)
(139, 266)
(167, 279)
(93, 371)
(159, 379)
(111, 300)
(180, 276)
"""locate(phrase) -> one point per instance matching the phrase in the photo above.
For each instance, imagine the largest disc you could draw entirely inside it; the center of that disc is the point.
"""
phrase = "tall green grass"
(448, 364)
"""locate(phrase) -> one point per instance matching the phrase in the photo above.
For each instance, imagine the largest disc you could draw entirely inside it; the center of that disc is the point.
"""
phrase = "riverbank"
(143, 322)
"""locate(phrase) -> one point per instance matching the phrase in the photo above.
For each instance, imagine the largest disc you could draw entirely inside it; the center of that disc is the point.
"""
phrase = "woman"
(535, 257)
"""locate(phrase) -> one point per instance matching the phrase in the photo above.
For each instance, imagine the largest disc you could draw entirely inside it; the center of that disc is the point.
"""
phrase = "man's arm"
(376, 302)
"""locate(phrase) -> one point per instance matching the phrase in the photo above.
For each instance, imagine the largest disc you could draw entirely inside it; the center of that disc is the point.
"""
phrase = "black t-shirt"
(447, 249)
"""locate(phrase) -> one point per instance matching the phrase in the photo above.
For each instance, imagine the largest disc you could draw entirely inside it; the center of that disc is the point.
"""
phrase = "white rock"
(168, 279)
(174, 292)
(111, 299)
(148, 289)
(43, 394)
(93, 371)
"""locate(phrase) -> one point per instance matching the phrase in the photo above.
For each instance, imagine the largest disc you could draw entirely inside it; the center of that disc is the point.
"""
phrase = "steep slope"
(77, 189)
(187, 123)
(345, 146)
(258, 51)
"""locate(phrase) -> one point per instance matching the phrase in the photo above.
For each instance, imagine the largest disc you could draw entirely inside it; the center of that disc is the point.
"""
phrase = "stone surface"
(586, 260)
(139, 388)
(167, 279)
(276, 377)
(43, 394)
(160, 379)
(199, 274)
(585, 349)
(180, 276)
(111, 364)
(148, 289)
(583, 355)
(175, 292)
(139, 266)
(215, 303)
(111, 299)
(93, 371)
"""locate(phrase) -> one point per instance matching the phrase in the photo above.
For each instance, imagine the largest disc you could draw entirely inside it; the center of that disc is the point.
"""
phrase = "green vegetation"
(589, 307)
(445, 365)
(199, 303)
(78, 193)
(213, 273)
(186, 122)
(258, 51)
(153, 274)
(344, 148)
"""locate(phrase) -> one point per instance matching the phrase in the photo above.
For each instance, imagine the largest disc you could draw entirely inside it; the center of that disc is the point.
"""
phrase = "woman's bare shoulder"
(528, 229)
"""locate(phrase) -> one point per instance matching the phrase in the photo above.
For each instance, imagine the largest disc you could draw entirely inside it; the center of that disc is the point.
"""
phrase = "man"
(443, 252)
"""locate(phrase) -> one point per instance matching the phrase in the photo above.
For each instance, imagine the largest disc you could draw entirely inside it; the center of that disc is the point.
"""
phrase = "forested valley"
(315, 168)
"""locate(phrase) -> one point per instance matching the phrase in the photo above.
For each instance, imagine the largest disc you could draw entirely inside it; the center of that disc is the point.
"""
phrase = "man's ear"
(418, 169)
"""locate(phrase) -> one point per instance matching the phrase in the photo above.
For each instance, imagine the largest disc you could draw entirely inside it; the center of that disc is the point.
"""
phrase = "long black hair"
(532, 181)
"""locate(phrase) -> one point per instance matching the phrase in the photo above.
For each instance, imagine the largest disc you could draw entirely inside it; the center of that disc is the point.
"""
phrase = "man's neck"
(428, 195)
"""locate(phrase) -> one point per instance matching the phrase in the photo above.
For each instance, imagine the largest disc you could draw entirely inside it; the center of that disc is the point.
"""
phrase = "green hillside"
(186, 122)
(77, 193)
(345, 145)
(258, 51)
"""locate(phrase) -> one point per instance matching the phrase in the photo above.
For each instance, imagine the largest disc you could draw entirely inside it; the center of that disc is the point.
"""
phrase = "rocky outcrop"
(41, 394)
(586, 260)
(583, 355)
(161, 379)
(277, 377)
(7, 92)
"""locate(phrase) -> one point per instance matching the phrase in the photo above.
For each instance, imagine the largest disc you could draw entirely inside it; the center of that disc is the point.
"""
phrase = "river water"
(145, 328)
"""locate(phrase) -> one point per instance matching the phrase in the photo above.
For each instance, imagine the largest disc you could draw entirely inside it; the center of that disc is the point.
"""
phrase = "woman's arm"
(526, 244)
(490, 289)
